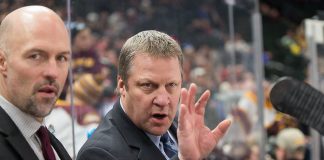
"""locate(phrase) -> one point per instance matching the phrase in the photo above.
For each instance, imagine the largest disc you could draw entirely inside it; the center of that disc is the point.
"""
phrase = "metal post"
(70, 78)
(232, 37)
(259, 72)
(314, 80)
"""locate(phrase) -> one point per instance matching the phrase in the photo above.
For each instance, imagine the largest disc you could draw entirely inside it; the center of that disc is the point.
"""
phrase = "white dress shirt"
(27, 125)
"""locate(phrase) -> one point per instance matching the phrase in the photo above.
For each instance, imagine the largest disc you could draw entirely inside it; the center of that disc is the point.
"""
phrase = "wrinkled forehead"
(146, 60)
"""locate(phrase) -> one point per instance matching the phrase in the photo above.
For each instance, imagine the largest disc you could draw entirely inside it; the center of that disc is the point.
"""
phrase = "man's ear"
(3, 63)
(121, 86)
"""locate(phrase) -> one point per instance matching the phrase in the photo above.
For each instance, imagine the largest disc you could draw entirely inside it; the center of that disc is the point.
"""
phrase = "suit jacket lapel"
(59, 148)
(136, 138)
(15, 137)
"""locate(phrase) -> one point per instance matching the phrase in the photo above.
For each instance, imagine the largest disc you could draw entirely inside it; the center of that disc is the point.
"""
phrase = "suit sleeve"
(94, 153)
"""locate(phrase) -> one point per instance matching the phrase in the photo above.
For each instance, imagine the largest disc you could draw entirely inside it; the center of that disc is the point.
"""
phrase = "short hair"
(152, 43)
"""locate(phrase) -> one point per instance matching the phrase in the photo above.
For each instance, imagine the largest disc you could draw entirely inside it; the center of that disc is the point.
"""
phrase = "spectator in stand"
(291, 144)
(85, 58)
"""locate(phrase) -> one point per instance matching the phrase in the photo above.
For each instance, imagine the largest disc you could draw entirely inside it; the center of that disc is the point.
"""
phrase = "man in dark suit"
(140, 125)
(34, 57)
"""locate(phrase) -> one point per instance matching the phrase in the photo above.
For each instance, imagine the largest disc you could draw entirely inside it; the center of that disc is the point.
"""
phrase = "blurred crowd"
(100, 27)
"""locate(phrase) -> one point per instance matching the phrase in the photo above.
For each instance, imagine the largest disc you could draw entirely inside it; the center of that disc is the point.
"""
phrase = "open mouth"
(159, 116)
(48, 90)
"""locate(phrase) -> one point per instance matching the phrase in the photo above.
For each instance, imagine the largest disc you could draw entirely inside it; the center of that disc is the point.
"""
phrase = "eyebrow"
(43, 51)
(154, 82)
(66, 53)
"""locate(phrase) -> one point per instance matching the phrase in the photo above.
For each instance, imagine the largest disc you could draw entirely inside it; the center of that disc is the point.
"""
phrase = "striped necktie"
(169, 146)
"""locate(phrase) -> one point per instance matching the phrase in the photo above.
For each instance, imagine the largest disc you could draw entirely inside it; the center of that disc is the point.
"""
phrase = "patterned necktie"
(169, 146)
(47, 150)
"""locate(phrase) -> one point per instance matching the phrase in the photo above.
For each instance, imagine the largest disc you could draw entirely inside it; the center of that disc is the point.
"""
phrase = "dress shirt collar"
(154, 139)
(26, 123)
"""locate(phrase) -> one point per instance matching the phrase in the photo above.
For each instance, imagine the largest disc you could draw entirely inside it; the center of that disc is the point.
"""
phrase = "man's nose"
(51, 69)
(162, 97)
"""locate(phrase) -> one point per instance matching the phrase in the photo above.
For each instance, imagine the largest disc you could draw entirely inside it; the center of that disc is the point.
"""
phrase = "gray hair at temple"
(151, 42)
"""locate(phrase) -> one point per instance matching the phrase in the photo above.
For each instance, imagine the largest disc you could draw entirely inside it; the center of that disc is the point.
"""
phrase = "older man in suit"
(140, 125)
(34, 55)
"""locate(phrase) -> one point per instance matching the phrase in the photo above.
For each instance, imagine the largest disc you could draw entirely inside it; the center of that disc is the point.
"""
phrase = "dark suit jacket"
(117, 138)
(13, 145)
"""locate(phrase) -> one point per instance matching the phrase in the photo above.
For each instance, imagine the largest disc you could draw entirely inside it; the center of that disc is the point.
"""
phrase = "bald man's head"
(22, 20)
(34, 59)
